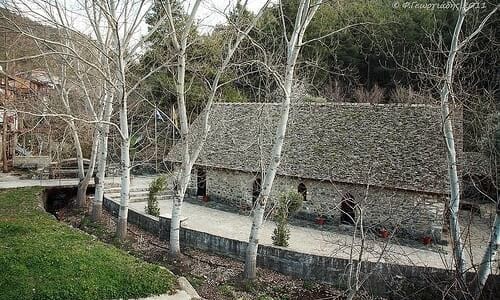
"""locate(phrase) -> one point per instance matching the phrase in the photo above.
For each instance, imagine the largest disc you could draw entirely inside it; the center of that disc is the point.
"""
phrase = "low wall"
(31, 162)
(302, 265)
(383, 276)
(146, 222)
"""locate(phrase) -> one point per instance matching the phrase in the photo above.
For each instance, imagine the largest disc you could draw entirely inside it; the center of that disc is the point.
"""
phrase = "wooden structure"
(25, 85)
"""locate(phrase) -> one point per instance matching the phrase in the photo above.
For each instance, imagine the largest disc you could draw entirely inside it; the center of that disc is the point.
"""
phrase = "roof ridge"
(351, 104)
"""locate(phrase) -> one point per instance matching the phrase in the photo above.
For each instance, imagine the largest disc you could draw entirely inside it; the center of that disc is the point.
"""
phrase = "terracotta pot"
(320, 221)
(383, 233)
(426, 240)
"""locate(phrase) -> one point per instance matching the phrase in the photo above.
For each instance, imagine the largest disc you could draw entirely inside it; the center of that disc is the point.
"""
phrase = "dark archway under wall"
(347, 214)
(59, 197)
(256, 188)
(302, 189)
(201, 182)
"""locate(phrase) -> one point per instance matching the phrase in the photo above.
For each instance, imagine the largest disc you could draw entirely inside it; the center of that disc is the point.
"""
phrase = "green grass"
(41, 258)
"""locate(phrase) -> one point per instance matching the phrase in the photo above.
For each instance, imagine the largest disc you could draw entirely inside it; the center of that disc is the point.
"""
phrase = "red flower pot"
(320, 221)
(383, 233)
(205, 198)
(426, 240)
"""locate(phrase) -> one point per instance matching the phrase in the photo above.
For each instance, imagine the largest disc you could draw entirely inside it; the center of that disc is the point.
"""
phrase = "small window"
(301, 189)
(201, 182)
(347, 214)
(256, 188)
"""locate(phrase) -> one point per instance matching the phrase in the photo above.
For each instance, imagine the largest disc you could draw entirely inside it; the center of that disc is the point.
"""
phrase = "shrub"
(288, 204)
(409, 96)
(157, 185)
(374, 96)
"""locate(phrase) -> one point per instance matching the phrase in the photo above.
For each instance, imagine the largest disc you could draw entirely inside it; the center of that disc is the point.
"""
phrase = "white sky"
(211, 12)
(208, 13)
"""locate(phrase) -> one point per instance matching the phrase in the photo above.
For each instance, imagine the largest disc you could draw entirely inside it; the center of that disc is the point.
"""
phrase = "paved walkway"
(306, 240)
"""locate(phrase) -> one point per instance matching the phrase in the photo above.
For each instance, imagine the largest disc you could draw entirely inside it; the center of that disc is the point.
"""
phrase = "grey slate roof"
(395, 146)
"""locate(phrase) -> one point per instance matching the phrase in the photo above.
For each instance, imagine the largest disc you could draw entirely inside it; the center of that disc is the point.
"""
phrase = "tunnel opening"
(59, 198)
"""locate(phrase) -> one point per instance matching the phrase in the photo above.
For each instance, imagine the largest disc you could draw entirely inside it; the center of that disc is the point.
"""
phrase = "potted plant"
(427, 240)
(384, 233)
(320, 220)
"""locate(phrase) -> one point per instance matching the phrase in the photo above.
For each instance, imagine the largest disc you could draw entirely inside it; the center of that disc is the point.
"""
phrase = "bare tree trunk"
(102, 160)
(184, 175)
(79, 153)
(81, 196)
(450, 146)
(305, 14)
(80, 199)
(487, 265)
(175, 223)
(188, 159)
(121, 230)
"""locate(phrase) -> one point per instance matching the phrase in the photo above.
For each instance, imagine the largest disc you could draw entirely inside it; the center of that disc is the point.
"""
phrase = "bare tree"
(74, 80)
(305, 13)
(487, 263)
(114, 26)
(122, 19)
(446, 90)
(189, 157)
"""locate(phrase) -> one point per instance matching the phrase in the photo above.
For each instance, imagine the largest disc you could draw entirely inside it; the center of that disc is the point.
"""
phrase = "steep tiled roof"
(396, 146)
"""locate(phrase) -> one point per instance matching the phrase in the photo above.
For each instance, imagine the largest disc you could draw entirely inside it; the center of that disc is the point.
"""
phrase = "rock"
(188, 288)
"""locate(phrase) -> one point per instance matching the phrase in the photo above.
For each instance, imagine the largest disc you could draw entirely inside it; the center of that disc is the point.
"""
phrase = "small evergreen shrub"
(156, 186)
(288, 204)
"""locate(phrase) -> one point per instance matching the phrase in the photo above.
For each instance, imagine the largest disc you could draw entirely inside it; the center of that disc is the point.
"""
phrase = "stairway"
(138, 192)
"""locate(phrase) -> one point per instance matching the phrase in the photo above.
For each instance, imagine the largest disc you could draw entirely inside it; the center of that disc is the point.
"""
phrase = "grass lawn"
(41, 258)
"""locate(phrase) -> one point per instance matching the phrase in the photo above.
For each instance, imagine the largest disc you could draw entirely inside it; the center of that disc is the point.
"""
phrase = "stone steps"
(144, 194)
(138, 193)
(116, 189)
(138, 198)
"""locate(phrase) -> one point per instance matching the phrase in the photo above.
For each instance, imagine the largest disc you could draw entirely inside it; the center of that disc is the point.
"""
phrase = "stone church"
(384, 162)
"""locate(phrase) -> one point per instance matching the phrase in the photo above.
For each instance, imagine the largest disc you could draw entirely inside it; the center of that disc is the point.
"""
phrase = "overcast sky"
(208, 15)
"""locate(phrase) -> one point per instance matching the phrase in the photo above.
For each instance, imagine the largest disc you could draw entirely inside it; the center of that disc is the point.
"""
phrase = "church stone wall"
(409, 213)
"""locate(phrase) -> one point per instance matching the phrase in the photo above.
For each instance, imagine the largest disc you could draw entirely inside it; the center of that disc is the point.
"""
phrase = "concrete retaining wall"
(146, 222)
(301, 265)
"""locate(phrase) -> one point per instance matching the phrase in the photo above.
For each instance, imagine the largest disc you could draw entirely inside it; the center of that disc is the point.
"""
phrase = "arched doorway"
(301, 189)
(347, 214)
(201, 182)
(256, 188)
